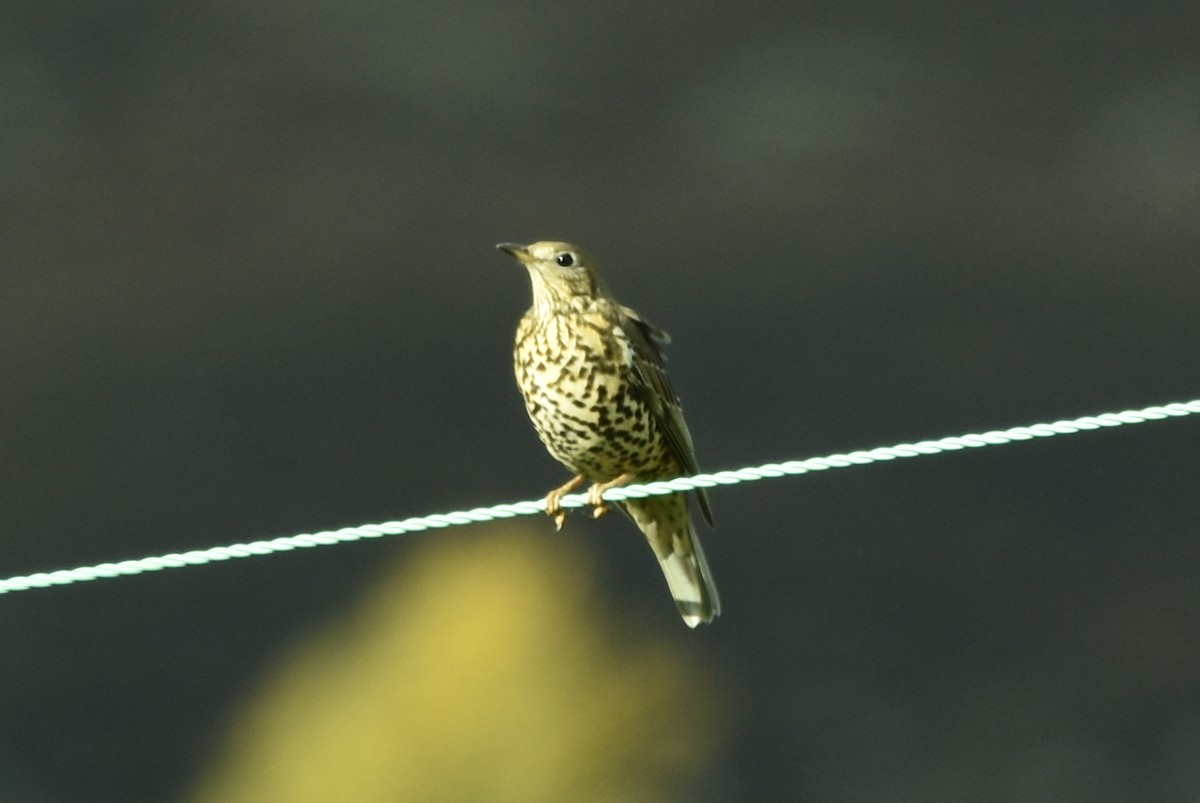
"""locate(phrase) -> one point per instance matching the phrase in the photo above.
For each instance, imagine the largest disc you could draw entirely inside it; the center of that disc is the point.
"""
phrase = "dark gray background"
(247, 289)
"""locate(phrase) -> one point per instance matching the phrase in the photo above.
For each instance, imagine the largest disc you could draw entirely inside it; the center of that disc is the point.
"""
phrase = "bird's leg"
(553, 508)
(595, 495)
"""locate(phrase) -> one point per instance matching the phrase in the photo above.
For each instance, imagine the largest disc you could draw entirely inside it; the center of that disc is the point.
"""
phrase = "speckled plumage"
(591, 373)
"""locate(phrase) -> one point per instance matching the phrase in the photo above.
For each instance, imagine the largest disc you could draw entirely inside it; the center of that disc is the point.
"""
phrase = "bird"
(591, 373)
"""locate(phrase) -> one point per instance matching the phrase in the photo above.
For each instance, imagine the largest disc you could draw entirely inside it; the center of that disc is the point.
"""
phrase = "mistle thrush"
(591, 372)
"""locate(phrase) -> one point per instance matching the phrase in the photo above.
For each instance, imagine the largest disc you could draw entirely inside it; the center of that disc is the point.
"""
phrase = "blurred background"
(248, 289)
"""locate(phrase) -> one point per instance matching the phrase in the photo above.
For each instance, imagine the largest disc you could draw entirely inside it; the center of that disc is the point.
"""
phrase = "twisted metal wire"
(200, 557)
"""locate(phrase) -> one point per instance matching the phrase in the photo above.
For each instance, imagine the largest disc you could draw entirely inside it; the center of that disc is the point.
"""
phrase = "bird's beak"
(516, 250)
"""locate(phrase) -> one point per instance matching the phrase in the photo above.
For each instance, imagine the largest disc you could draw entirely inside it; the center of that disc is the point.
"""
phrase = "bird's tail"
(665, 522)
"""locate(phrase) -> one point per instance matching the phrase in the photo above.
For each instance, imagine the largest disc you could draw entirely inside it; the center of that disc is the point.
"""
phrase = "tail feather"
(691, 585)
(665, 522)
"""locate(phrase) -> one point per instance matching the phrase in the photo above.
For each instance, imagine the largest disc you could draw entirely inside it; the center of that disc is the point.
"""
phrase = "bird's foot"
(554, 508)
(595, 495)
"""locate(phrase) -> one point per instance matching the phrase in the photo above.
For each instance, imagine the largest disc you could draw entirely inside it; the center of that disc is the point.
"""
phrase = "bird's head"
(563, 275)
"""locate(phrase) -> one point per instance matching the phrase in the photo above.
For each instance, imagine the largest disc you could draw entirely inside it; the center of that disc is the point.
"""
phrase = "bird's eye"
(566, 259)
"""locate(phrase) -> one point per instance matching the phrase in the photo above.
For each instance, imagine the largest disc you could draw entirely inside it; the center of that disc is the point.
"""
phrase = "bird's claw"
(555, 511)
(595, 499)
(560, 518)
(554, 507)
(595, 495)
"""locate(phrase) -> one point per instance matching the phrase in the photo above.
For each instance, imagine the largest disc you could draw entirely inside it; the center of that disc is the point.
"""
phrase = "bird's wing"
(646, 341)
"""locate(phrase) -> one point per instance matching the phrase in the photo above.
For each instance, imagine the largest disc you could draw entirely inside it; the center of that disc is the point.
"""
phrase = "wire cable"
(200, 557)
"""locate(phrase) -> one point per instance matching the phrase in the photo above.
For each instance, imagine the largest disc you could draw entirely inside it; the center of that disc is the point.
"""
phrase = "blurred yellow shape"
(484, 668)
